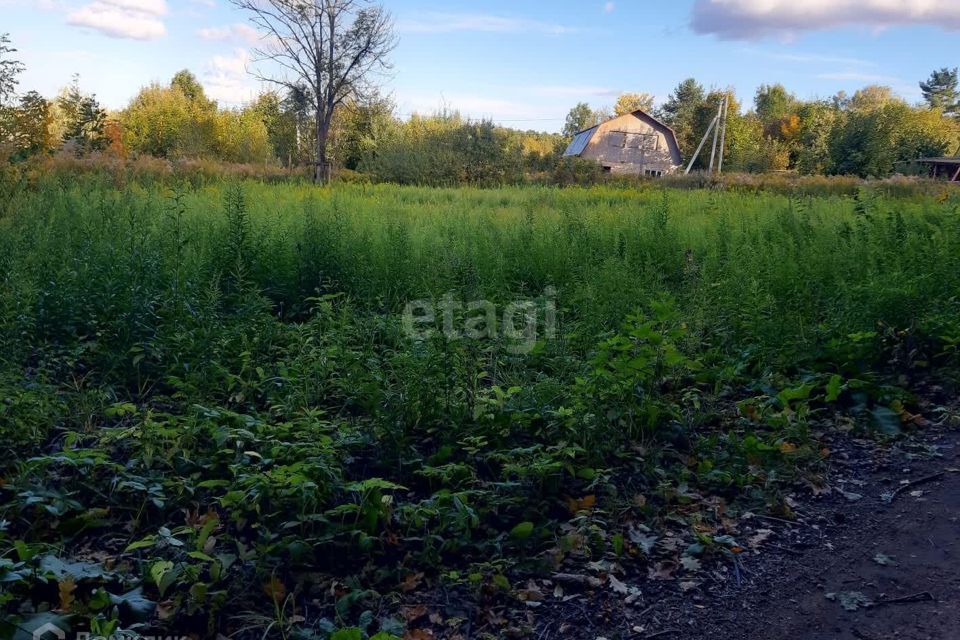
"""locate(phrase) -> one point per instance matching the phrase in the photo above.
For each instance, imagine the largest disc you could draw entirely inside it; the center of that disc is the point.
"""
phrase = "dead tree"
(334, 48)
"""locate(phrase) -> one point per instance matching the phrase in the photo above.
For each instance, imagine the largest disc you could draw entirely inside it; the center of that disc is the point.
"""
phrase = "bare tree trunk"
(320, 175)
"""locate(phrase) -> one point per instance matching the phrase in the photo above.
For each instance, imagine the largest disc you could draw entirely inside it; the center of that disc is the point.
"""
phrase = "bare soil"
(913, 587)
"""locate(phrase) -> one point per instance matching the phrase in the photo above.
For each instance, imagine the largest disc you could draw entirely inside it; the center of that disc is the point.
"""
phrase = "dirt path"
(914, 582)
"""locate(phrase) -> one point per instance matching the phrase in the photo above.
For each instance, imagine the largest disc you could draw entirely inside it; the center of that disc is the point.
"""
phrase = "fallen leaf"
(759, 537)
(576, 505)
(850, 600)
(617, 586)
(413, 612)
(662, 571)
(411, 582)
(275, 589)
(883, 559)
(66, 587)
(690, 564)
(645, 541)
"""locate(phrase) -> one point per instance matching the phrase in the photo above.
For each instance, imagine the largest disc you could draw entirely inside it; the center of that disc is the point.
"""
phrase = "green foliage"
(212, 387)
(942, 91)
(580, 117)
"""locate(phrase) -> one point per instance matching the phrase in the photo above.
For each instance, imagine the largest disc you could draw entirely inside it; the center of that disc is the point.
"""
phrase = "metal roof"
(580, 142)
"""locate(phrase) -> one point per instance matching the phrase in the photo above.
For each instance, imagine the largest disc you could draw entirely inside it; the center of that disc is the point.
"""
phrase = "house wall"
(629, 144)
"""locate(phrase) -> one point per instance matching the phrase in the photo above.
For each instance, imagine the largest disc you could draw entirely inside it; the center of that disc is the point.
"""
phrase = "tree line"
(874, 132)
(871, 133)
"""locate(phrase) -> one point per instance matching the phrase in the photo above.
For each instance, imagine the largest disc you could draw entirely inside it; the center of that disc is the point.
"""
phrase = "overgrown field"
(215, 415)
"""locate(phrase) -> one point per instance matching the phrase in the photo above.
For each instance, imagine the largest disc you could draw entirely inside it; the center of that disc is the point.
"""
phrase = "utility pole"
(716, 134)
(715, 127)
(723, 133)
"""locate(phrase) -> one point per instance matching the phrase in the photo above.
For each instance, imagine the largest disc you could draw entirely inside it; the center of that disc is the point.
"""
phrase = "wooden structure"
(634, 143)
(947, 167)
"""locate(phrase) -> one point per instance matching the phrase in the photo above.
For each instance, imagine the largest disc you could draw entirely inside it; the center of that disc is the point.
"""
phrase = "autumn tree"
(333, 47)
(199, 135)
(773, 103)
(155, 120)
(630, 102)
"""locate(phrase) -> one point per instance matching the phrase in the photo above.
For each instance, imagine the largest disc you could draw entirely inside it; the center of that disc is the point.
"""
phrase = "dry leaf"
(66, 587)
(662, 571)
(617, 586)
(414, 612)
(759, 537)
(274, 589)
(166, 609)
(576, 505)
(411, 582)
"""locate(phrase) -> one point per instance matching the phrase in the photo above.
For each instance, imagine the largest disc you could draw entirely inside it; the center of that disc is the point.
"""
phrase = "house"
(948, 168)
(634, 143)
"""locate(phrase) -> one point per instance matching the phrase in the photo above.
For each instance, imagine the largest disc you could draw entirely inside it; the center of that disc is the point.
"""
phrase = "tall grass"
(241, 345)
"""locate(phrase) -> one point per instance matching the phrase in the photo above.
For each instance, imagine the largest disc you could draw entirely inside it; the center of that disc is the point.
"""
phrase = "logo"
(49, 631)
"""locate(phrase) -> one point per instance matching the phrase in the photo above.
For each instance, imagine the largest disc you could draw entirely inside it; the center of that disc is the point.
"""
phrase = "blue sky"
(520, 62)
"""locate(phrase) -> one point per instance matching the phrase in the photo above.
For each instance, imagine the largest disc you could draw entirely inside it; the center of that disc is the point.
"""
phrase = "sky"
(522, 63)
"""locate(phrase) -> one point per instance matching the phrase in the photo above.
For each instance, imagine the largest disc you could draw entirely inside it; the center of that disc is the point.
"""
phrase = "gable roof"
(583, 138)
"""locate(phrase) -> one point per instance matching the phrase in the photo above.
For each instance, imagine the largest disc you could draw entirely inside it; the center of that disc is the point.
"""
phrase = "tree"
(941, 91)
(878, 141)
(29, 126)
(155, 120)
(81, 119)
(872, 97)
(9, 69)
(198, 136)
(186, 82)
(359, 128)
(333, 47)
(579, 118)
(630, 102)
(679, 111)
(773, 103)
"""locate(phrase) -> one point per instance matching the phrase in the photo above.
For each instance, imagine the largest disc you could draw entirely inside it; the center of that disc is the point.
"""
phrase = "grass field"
(215, 416)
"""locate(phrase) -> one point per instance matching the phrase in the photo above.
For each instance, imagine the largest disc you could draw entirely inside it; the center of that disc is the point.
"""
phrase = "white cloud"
(238, 32)
(453, 22)
(226, 78)
(808, 58)
(609, 7)
(136, 19)
(748, 19)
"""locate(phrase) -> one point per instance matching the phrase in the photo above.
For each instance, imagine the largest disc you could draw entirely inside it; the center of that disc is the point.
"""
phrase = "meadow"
(214, 416)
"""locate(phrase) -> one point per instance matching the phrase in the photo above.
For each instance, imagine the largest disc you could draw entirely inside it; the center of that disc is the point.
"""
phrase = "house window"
(617, 139)
(607, 168)
(653, 173)
(645, 141)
